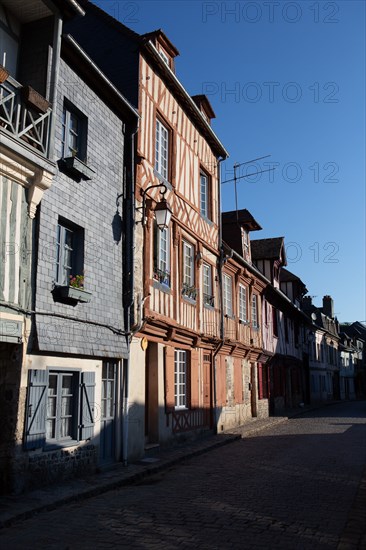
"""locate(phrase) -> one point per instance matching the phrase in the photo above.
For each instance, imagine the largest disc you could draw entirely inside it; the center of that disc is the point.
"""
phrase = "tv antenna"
(236, 178)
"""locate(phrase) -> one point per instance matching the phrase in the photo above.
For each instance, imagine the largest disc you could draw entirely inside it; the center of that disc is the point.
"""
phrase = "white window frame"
(64, 254)
(162, 149)
(242, 303)
(163, 255)
(164, 56)
(255, 311)
(208, 297)
(228, 294)
(188, 264)
(180, 379)
(204, 195)
(59, 413)
(245, 238)
(74, 136)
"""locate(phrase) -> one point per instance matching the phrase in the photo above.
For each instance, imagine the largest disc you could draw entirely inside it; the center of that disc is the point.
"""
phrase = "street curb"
(148, 471)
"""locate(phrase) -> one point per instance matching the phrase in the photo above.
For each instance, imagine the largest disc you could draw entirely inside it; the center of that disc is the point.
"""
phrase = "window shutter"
(169, 378)
(194, 379)
(87, 405)
(35, 422)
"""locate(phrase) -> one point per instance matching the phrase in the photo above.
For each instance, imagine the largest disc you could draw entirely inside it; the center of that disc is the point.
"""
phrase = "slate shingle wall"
(91, 205)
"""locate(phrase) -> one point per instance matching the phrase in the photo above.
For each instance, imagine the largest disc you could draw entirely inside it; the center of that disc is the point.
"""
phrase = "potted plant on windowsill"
(74, 290)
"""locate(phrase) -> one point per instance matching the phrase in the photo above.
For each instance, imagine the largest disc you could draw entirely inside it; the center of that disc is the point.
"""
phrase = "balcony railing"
(23, 118)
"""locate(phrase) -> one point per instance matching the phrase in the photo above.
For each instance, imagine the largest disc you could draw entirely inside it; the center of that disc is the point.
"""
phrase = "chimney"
(328, 308)
(306, 303)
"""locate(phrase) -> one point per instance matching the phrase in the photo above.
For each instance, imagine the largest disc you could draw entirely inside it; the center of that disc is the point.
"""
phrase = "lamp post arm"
(144, 193)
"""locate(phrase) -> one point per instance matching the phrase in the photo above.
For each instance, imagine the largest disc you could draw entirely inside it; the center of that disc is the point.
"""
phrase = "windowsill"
(54, 446)
(178, 409)
(207, 220)
(162, 287)
(209, 306)
(232, 317)
(189, 300)
(76, 168)
(70, 294)
(163, 180)
(242, 322)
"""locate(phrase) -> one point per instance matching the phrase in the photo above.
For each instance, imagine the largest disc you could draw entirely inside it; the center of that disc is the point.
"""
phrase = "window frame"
(189, 289)
(254, 310)
(227, 281)
(57, 417)
(242, 305)
(181, 387)
(69, 113)
(75, 251)
(164, 172)
(205, 206)
(162, 276)
(207, 285)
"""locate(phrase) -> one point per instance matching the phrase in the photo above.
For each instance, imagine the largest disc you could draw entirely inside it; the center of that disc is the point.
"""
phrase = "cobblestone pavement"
(295, 485)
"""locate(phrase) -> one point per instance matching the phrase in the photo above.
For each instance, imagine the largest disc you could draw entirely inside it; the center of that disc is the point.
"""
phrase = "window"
(161, 149)
(286, 328)
(74, 132)
(61, 400)
(204, 195)
(254, 311)
(208, 298)
(69, 253)
(275, 321)
(188, 289)
(180, 379)
(162, 256)
(242, 303)
(57, 412)
(228, 295)
(164, 57)
(245, 239)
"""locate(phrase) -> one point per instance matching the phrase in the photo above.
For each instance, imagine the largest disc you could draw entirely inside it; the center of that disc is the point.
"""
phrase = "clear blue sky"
(285, 79)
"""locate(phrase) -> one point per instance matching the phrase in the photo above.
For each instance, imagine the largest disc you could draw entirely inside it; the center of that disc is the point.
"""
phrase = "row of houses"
(133, 312)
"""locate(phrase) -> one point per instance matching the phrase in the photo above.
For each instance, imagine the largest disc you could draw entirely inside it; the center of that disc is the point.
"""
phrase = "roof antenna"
(235, 178)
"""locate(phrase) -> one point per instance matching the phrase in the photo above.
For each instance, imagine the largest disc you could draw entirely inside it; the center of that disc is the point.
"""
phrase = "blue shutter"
(87, 405)
(35, 421)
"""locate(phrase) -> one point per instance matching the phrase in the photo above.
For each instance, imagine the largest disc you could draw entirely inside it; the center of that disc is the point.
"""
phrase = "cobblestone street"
(291, 486)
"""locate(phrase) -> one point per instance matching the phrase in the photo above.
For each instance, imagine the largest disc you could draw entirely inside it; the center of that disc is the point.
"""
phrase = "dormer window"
(164, 57)
(245, 240)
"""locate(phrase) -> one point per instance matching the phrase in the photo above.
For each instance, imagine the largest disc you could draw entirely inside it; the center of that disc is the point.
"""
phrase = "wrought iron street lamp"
(163, 212)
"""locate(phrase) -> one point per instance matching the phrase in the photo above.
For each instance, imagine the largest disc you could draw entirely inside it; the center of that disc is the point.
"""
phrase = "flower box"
(78, 168)
(4, 73)
(34, 99)
(73, 293)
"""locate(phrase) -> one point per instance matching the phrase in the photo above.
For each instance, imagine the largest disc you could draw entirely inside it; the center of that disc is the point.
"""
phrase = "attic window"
(164, 57)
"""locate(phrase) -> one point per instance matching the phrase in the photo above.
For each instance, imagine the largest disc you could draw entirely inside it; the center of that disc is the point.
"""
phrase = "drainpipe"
(220, 263)
(55, 69)
(128, 274)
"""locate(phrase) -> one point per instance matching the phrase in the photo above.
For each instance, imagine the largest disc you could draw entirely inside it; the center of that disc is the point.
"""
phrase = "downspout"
(220, 263)
(55, 69)
(128, 274)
